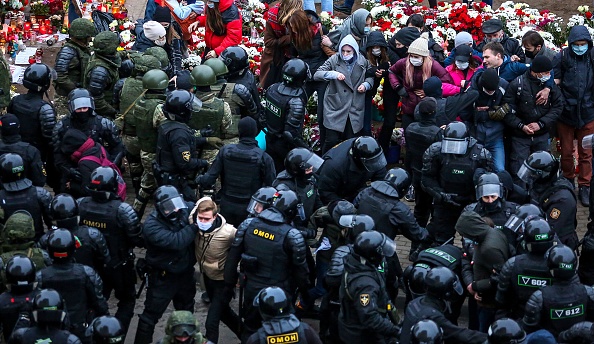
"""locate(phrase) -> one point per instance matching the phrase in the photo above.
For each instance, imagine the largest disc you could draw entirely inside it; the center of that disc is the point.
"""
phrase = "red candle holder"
(43, 30)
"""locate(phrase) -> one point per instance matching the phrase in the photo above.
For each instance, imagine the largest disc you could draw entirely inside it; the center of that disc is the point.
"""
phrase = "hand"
(361, 89)
(210, 54)
(534, 127)
(515, 58)
(420, 93)
(478, 297)
(463, 83)
(543, 96)
(527, 130)
(379, 73)
(215, 142)
(326, 41)
(340, 77)
(482, 108)
(402, 93)
(194, 26)
(470, 290)
(206, 132)
(74, 174)
(449, 199)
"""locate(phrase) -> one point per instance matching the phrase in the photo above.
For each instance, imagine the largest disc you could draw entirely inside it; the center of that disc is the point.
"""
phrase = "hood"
(349, 40)
(376, 38)
(579, 33)
(472, 226)
(225, 4)
(425, 119)
(357, 22)
(72, 141)
(219, 220)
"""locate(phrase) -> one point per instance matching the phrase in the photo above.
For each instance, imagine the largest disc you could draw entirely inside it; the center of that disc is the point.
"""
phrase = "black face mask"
(81, 117)
(492, 207)
(401, 51)
(530, 54)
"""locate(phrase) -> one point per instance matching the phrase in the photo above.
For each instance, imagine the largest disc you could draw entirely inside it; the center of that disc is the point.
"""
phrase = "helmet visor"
(458, 287)
(348, 221)
(388, 248)
(184, 330)
(314, 162)
(488, 190)
(587, 141)
(375, 163)
(255, 207)
(80, 103)
(527, 174)
(172, 206)
(513, 223)
(454, 146)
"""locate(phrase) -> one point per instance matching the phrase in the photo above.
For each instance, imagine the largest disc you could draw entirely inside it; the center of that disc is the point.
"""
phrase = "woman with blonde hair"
(277, 41)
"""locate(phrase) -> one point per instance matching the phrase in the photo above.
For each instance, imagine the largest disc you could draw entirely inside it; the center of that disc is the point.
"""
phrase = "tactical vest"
(164, 157)
(211, 113)
(143, 118)
(306, 193)
(447, 256)
(529, 274)
(85, 254)
(74, 71)
(276, 110)
(559, 184)
(72, 285)
(103, 216)
(265, 241)
(456, 173)
(563, 306)
(225, 92)
(130, 91)
(379, 206)
(238, 182)
(26, 199)
(419, 137)
(46, 335)
(26, 107)
(11, 310)
(112, 69)
(296, 336)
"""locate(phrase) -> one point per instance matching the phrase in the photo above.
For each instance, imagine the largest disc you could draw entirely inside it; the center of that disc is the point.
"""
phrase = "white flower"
(125, 36)
(113, 24)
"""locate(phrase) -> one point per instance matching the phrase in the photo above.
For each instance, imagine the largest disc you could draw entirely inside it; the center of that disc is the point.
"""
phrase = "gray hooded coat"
(353, 25)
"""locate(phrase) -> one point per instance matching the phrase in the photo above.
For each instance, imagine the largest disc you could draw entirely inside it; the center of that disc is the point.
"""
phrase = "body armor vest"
(131, 90)
(563, 306)
(85, 254)
(19, 148)
(419, 138)
(529, 274)
(13, 308)
(456, 173)
(379, 206)
(26, 107)
(143, 119)
(27, 249)
(76, 67)
(296, 336)
(305, 190)
(111, 68)
(71, 284)
(225, 92)
(211, 113)
(447, 255)
(276, 110)
(43, 335)
(164, 157)
(27, 200)
(238, 183)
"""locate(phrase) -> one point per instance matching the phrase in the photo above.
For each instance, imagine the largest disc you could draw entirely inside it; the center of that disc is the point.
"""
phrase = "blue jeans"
(327, 5)
(498, 153)
(319, 291)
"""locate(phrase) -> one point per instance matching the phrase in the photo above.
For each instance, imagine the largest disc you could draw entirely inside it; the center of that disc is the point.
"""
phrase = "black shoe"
(205, 297)
(584, 195)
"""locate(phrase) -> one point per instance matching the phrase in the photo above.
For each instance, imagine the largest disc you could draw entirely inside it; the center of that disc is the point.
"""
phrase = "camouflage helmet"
(204, 75)
(183, 324)
(219, 67)
(155, 79)
(160, 54)
(19, 227)
(82, 28)
(106, 43)
(145, 63)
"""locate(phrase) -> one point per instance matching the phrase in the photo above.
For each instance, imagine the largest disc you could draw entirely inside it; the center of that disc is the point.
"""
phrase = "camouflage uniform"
(220, 129)
(5, 80)
(181, 318)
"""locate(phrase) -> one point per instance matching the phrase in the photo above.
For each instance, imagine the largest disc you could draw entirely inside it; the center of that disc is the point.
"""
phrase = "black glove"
(206, 132)
(203, 164)
(74, 174)
(447, 198)
(402, 92)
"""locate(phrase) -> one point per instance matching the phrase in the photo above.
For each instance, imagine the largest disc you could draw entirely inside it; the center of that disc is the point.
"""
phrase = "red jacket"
(232, 19)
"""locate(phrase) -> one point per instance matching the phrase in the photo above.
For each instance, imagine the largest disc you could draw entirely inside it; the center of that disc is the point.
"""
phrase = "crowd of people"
(293, 233)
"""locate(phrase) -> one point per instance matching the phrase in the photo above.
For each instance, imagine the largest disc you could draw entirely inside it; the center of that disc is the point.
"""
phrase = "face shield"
(454, 146)
(587, 141)
(255, 207)
(514, 224)
(171, 206)
(374, 163)
(80, 103)
(388, 247)
(314, 163)
(527, 174)
(488, 190)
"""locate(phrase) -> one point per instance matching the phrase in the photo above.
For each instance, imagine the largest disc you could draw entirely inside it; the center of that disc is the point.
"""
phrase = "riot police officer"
(79, 284)
(11, 143)
(39, 115)
(19, 193)
(506, 331)
(106, 330)
(124, 72)
(182, 328)
(126, 93)
(272, 253)
(82, 117)
(102, 72)
(426, 331)
(382, 202)
(348, 166)
(15, 304)
(286, 104)
(169, 234)
(244, 168)
(121, 227)
(48, 313)
(442, 288)
(261, 200)
(275, 308)
(447, 175)
(366, 308)
(566, 302)
(176, 160)
(155, 83)
(523, 274)
(516, 222)
(553, 193)
(491, 200)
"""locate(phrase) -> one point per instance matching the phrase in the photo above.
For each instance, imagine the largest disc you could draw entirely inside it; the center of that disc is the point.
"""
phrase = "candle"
(27, 26)
(48, 22)
(43, 29)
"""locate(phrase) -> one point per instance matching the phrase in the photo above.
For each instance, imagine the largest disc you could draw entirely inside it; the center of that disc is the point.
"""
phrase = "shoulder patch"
(186, 155)
(364, 299)
(555, 213)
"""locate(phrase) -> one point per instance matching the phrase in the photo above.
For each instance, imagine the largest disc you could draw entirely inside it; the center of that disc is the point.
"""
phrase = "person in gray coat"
(344, 103)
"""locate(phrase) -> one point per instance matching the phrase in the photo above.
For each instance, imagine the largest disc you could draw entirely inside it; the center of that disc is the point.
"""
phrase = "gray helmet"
(155, 79)
(82, 28)
(145, 63)
(106, 43)
(219, 67)
(204, 75)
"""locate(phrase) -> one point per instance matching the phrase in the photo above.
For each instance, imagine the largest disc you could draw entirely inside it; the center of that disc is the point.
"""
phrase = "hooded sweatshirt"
(353, 25)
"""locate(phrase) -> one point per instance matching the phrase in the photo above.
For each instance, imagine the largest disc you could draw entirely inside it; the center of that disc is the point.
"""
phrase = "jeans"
(218, 311)
(522, 147)
(486, 316)
(498, 153)
(327, 5)
(567, 134)
(321, 269)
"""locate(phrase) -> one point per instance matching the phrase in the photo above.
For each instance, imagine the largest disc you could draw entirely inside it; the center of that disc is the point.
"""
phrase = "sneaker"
(410, 194)
(584, 195)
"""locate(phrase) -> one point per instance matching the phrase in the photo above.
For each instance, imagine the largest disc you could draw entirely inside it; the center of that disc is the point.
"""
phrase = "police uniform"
(308, 195)
(43, 335)
(13, 305)
(216, 113)
(33, 199)
(71, 62)
(287, 329)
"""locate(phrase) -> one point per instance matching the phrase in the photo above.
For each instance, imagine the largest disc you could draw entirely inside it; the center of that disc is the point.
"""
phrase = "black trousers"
(121, 281)
(423, 205)
(278, 149)
(233, 212)
(334, 137)
(320, 87)
(391, 100)
(443, 223)
(218, 311)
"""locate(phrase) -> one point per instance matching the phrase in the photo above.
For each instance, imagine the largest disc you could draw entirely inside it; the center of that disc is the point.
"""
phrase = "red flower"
(483, 4)
(419, 1)
(121, 27)
(589, 15)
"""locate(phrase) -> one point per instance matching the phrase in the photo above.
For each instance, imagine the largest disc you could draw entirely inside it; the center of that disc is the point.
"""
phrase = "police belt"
(166, 177)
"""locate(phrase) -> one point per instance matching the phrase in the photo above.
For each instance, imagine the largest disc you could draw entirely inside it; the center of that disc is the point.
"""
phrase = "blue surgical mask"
(210, 4)
(204, 226)
(366, 30)
(544, 78)
(579, 49)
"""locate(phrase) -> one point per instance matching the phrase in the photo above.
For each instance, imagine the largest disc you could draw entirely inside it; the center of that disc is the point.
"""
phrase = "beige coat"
(212, 249)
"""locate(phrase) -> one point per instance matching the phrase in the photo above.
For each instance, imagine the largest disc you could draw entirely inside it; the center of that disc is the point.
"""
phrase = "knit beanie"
(541, 64)
(489, 79)
(184, 80)
(10, 125)
(247, 127)
(462, 37)
(407, 35)
(162, 15)
(432, 87)
(419, 46)
(427, 106)
(153, 30)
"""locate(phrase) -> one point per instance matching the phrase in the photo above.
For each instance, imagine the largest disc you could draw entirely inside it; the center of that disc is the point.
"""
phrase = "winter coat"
(220, 41)
(376, 38)
(277, 44)
(398, 79)
(342, 100)
(459, 75)
(544, 51)
(577, 80)
(315, 56)
(450, 60)
(511, 46)
(354, 25)
(77, 145)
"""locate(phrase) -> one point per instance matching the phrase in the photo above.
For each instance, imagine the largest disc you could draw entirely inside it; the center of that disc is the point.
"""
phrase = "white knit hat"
(419, 46)
(153, 30)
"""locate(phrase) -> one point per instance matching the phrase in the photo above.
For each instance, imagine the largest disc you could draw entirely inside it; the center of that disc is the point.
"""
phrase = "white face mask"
(210, 5)
(161, 42)
(416, 61)
(544, 78)
(462, 65)
(376, 51)
(347, 57)
(204, 226)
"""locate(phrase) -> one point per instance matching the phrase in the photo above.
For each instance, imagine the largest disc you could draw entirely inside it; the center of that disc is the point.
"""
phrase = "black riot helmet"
(295, 72)
(180, 104)
(442, 283)
(126, 68)
(538, 235)
(61, 245)
(515, 223)
(455, 139)
(48, 308)
(399, 179)
(374, 246)
(64, 211)
(272, 302)
(415, 279)
(561, 261)
(426, 332)
(12, 172)
(20, 273)
(104, 184)
(506, 331)
(168, 201)
(368, 154)
(236, 59)
(106, 329)
(539, 167)
(356, 224)
(286, 202)
(299, 160)
(38, 77)
(261, 200)
(488, 184)
(80, 98)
